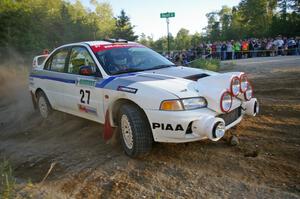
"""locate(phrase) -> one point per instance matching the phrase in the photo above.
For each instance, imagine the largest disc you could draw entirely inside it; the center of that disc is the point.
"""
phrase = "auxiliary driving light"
(218, 130)
(235, 86)
(249, 93)
(244, 83)
(225, 101)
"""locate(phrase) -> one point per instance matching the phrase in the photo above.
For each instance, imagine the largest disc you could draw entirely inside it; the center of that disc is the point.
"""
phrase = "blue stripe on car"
(70, 81)
(100, 84)
(105, 82)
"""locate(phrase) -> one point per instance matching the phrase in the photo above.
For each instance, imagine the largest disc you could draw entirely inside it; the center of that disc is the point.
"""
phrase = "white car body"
(148, 89)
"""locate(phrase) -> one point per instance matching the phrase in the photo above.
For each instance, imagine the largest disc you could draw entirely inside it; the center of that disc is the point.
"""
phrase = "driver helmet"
(119, 58)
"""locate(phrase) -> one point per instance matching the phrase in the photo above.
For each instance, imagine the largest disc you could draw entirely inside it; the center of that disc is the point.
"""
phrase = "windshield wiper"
(161, 66)
(128, 71)
(139, 70)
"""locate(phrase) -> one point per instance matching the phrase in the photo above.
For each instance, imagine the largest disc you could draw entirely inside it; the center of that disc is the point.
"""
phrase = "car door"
(83, 98)
(53, 77)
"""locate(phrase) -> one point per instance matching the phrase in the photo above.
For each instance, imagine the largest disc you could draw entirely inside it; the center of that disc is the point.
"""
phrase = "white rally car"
(126, 85)
(38, 61)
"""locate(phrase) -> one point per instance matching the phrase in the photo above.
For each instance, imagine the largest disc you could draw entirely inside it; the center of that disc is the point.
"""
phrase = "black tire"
(142, 138)
(43, 105)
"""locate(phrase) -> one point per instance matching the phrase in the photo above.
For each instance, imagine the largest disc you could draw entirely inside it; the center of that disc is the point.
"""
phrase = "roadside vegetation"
(207, 64)
(7, 181)
(29, 27)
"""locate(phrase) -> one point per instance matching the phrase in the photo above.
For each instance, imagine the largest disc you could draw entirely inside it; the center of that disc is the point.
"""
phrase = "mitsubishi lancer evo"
(129, 87)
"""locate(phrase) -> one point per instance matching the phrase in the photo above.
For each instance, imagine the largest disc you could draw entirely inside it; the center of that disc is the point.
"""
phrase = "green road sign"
(167, 14)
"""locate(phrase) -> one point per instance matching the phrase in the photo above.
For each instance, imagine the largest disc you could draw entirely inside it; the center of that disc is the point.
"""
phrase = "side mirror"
(86, 70)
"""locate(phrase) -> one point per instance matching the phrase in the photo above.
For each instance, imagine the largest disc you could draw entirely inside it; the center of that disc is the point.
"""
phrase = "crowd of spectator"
(241, 49)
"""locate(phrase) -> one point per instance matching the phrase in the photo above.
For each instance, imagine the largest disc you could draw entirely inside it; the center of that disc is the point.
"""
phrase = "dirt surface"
(264, 165)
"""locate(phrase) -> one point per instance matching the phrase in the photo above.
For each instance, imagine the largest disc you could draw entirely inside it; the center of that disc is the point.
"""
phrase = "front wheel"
(135, 131)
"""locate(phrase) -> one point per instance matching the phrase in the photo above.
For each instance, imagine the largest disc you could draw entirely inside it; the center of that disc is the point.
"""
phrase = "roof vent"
(196, 77)
(116, 40)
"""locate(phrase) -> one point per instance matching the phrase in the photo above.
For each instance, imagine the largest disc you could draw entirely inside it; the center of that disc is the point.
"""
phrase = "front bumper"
(194, 125)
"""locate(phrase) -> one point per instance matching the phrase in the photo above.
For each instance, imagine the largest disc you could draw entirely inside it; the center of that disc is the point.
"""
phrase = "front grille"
(231, 116)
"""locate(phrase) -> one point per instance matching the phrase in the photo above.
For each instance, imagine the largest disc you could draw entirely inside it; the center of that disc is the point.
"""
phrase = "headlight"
(235, 86)
(226, 101)
(183, 104)
(194, 103)
(249, 93)
(171, 105)
(244, 83)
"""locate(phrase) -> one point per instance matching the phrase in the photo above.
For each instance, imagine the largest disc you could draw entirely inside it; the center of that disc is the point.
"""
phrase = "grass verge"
(207, 64)
(7, 181)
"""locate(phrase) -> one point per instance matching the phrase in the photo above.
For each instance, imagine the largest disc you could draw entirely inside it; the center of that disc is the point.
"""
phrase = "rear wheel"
(135, 131)
(43, 105)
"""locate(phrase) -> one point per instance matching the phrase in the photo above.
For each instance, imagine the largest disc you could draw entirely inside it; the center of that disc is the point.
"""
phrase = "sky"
(145, 15)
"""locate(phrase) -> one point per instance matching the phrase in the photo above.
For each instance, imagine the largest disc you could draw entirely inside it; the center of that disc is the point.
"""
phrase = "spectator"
(245, 48)
(262, 48)
(214, 50)
(279, 45)
(251, 48)
(229, 50)
(291, 44)
(219, 50)
(224, 50)
(256, 46)
(298, 46)
(237, 50)
(270, 48)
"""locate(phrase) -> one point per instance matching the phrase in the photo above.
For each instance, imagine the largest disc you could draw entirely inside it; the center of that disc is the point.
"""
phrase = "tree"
(124, 29)
(256, 16)
(183, 39)
(196, 39)
(288, 5)
(161, 44)
(225, 16)
(103, 20)
(287, 21)
(143, 39)
(29, 26)
(213, 29)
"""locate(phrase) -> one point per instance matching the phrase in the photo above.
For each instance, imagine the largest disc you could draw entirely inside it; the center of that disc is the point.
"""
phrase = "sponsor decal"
(86, 82)
(98, 48)
(127, 89)
(167, 127)
(87, 109)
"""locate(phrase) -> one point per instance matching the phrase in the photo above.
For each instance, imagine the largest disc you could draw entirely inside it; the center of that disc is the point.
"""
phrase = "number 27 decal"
(83, 93)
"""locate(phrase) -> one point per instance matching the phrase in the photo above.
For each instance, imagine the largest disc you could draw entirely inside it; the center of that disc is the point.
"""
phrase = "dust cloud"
(15, 100)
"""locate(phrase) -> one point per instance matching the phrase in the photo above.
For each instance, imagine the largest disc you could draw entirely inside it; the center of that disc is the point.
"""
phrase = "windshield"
(131, 59)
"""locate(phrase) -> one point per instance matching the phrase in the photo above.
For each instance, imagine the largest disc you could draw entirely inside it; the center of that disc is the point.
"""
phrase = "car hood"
(180, 81)
(180, 71)
(183, 82)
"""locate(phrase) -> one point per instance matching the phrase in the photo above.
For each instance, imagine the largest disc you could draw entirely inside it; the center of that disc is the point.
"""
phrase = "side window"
(59, 60)
(48, 64)
(80, 57)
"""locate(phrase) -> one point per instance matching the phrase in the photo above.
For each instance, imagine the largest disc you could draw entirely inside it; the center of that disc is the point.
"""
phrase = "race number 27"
(85, 96)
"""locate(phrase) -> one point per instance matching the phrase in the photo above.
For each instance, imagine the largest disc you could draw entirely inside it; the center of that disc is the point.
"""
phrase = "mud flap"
(108, 130)
(34, 102)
